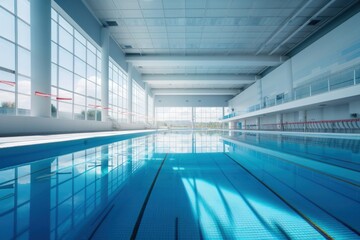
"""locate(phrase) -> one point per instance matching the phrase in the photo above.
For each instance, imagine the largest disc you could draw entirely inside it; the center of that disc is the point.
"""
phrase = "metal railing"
(328, 83)
(332, 126)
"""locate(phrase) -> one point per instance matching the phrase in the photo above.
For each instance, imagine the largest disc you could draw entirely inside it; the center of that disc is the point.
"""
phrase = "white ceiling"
(212, 28)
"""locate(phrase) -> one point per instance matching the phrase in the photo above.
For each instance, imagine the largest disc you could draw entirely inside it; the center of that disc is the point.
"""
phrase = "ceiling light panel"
(144, 36)
(153, 13)
(108, 14)
(134, 22)
(155, 22)
(130, 13)
(125, 4)
(102, 5)
(175, 13)
(195, 13)
(153, 4)
(158, 35)
(195, 4)
(171, 4)
(160, 44)
(158, 29)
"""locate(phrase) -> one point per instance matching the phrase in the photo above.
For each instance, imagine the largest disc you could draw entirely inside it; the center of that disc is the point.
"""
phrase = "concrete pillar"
(303, 118)
(129, 79)
(105, 33)
(258, 123)
(279, 121)
(40, 17)
(146, 102)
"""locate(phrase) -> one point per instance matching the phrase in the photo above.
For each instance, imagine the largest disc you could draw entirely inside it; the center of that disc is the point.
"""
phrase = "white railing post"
(354, 76)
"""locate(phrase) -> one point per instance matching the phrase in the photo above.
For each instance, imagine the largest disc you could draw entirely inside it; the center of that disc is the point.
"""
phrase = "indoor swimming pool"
(185, 185)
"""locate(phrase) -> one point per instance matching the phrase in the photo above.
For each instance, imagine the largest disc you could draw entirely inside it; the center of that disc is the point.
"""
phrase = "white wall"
(268, 119)
(333, 51)
(138, 78)
(354, 107)
(338, 112)
(278, 81)
(246, 99)
(21, 125)
(290, 117)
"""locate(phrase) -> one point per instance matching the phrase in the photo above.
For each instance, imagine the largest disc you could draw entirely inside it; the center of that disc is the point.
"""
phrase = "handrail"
(316, 126)
(340, 125)
(309, 122)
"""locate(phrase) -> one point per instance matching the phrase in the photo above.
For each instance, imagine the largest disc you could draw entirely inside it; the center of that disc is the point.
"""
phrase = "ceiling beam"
(201, 91)
(199, 79)
(209, 61)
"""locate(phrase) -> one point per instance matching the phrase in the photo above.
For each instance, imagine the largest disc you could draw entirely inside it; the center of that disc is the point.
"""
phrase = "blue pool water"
(186, 185)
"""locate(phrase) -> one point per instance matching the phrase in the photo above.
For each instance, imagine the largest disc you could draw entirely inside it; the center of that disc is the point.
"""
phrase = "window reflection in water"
(51, 197)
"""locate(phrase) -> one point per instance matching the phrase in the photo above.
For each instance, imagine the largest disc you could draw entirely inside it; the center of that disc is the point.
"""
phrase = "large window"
(138, 102)
(15, 84)
(174, 116)
(76, 72)
(208, 117)
(198, 117)
(118, 93)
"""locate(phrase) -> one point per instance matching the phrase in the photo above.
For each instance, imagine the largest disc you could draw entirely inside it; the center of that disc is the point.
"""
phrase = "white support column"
(279, 121)
(129, 79)
(258, 122)
(40, 17)
(105, 73)
(146, 102)
(302, 118)
(291, 80)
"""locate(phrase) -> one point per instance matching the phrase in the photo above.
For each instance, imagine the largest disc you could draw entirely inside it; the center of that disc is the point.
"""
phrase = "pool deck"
(17, 141)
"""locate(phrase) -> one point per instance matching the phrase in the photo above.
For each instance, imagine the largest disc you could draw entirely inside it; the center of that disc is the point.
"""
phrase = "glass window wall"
(15, 60)
(76, 73)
